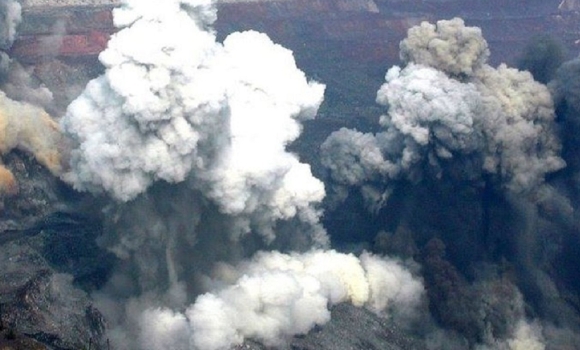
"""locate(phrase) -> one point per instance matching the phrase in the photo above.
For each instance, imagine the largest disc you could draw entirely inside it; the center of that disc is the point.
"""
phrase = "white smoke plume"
(448, 105)
(189, 136)
(30, 129)
(175, 105)
(10, 18)
(275, 296)
(527, 336)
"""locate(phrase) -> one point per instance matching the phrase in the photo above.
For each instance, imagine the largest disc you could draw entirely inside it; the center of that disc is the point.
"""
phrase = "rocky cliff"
(348, 45)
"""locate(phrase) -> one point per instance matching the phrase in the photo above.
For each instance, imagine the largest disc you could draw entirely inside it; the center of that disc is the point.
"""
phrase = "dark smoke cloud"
(566, 91)
(447, 104)
(565, 86)
(455, 126)
(489, 313)
(542, 56)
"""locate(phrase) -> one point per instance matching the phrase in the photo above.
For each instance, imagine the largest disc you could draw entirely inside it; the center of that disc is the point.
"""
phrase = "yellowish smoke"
(7, 182)
(30, 129)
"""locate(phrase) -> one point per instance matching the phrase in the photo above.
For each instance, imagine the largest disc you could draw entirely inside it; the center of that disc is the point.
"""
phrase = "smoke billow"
(488, 313)
(19, 84)
(448, 46)
(275, 296)
(215, 224)
(189, 136)
(456, 127)
(527, 336)
(174, 108)
(447, 105)
(516, 116)
(524, 134)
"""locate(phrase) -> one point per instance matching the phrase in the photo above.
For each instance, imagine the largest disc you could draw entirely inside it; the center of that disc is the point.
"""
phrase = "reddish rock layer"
(364, 30)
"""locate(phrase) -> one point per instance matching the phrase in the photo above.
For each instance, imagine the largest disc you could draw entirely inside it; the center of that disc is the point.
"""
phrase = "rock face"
(42, 304)
(77, 32)
(362, 31)
(348, 45)
(48, 258)
(66, 3)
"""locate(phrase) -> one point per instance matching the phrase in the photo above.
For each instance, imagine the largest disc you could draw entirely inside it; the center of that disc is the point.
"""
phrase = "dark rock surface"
(41, 303)
(49, 260)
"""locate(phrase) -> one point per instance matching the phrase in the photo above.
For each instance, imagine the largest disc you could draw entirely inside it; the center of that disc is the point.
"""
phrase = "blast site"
(289, 174)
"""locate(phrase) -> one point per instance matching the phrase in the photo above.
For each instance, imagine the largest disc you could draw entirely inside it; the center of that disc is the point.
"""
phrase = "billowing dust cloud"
(189, 136)
(447, 105)
(452, 117)
(275, 296)
(216, 225)
(175, 108)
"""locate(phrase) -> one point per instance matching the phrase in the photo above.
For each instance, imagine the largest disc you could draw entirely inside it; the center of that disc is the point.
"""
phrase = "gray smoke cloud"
(448, 46)
(524, 133)
(15, 80)
(565, 87)
(446, 105)
(10, 18)
(19, 84)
